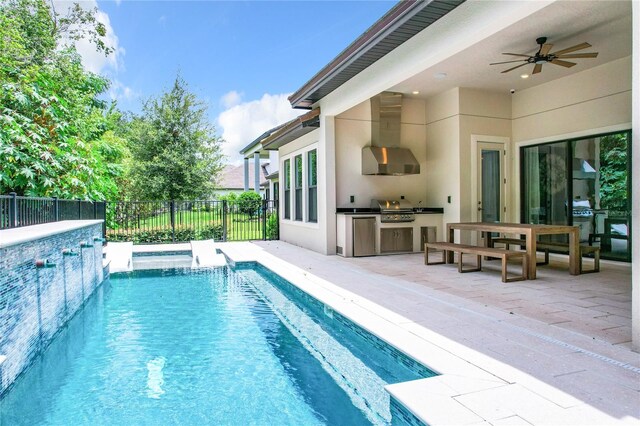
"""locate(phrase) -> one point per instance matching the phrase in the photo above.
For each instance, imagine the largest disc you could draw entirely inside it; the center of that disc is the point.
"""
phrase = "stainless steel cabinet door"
(364, 236)
(395, 240)
(405, 239)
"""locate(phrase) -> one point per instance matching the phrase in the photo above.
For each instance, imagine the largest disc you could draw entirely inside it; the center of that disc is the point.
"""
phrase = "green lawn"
(204, 224)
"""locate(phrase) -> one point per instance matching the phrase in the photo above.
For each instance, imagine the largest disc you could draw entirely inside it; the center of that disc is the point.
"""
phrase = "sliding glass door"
(583, 182)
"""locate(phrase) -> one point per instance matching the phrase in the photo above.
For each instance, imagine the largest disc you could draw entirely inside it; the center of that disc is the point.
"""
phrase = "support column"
(327, 182)
(246, 174)
(256, 172)
(635, 184)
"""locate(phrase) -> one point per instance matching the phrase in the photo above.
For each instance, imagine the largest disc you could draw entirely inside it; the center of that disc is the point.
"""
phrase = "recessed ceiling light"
(440, 75)
(524, 75)
(416, 92)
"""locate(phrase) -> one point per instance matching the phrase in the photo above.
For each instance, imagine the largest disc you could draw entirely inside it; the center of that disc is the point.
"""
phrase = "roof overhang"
(256, 145)
(292, 130)
(273, 176)
(403, 21)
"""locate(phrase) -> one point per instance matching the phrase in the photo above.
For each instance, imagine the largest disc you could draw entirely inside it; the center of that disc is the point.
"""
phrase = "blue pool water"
(208, 347)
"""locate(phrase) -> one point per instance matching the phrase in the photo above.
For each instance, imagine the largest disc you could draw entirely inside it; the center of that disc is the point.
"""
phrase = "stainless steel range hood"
(385, 156)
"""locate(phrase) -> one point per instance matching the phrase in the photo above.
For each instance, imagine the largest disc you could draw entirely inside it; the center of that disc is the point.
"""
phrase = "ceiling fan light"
(540, 61)
(524, 75)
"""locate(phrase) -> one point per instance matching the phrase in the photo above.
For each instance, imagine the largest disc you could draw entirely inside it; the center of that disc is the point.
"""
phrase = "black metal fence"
(151, 221)
(17, 211)
(180, 221)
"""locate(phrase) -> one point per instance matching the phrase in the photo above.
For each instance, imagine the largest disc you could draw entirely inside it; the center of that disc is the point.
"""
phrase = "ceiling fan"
(543, 56)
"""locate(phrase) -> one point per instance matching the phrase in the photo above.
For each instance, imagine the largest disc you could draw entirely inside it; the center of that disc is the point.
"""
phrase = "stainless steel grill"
(394, 210)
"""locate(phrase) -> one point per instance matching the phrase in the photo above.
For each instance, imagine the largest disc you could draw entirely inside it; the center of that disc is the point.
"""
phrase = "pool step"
(119, 256)
(162, 261)
(205, 255)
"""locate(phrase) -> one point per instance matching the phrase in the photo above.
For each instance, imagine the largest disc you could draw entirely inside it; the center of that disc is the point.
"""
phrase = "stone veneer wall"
(35, 303)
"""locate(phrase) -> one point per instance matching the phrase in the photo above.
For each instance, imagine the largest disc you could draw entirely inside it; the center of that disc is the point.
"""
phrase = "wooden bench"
(503, 254)
(564, 247)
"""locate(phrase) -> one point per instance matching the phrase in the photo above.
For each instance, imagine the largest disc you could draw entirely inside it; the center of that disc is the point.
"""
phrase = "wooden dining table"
(530, 232)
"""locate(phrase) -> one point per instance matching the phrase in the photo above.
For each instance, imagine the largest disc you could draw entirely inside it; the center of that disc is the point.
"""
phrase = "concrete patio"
(571, 332)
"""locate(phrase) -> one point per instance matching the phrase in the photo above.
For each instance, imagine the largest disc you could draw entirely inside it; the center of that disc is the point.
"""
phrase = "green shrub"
(210, 232)
(272, 227)
(249, 203)
(165, 235)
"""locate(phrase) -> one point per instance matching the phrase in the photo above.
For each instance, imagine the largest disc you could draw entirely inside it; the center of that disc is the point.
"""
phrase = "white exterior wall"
(353, 132)
(304, 234)
(597, 100)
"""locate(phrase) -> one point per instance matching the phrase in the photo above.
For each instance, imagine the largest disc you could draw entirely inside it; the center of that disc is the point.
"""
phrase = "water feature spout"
(45, 263)
(85, 244)
(69, 252)
(99, 240)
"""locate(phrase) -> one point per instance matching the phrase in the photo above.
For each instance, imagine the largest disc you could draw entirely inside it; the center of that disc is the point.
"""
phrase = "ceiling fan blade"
(544, 50)
(563, 63)
(579, 55)
(511, 69)
(508, 62)
(537, 69)
(517, 54)
(572, 48)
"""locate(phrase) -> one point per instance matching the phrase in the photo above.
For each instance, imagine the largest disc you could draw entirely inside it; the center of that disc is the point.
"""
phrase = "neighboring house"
(232, 180)
(525, 145)
(255, 152)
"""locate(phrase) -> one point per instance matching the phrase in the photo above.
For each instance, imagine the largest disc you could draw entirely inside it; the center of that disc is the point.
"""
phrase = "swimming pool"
(214, 346)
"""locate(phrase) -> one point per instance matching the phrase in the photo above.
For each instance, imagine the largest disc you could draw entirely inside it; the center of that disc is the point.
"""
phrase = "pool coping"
(470, 388)
(14, 236)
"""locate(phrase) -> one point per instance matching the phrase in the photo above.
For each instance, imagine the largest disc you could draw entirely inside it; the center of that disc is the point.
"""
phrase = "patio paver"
(571, 332)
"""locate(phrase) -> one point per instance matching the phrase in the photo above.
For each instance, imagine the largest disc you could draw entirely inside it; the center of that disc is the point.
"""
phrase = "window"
(312, 185)
(287, 189)
(583, 182)
(298, 186)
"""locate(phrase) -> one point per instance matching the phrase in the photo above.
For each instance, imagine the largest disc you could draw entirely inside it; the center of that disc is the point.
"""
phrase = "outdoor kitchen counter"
(366, 210)
(429, 220)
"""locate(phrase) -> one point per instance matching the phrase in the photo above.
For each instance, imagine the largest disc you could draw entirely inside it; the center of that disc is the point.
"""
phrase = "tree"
(249, 202)
(176, 152)
(613, 172)
(52, 122)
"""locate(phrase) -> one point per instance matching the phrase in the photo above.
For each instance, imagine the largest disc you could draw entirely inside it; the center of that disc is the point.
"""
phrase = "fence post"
(224, 220)
(13, 210)
(264, 219)
(56, 209)
(172, 205)
(79, 209)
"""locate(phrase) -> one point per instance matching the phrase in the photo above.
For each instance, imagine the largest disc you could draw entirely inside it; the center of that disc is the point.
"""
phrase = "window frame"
(286, 184)
(312, 187)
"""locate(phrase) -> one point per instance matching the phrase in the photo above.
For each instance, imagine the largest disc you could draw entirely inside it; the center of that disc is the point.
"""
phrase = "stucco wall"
(353, 132)
(308, 235)
(442, 166)
(593, 101)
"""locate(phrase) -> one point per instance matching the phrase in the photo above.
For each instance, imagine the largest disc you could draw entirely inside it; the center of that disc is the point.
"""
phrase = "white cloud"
(118, 91)
(231, 99)
(243, 123)
(93, 60)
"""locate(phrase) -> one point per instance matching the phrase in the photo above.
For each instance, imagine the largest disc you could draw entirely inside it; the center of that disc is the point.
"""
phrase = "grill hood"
(385, 156)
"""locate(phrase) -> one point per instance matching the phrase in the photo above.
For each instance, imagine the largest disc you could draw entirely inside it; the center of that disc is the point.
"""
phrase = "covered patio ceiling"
(606, 25)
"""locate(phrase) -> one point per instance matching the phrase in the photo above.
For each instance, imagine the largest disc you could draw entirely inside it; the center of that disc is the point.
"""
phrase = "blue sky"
(242, 57)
